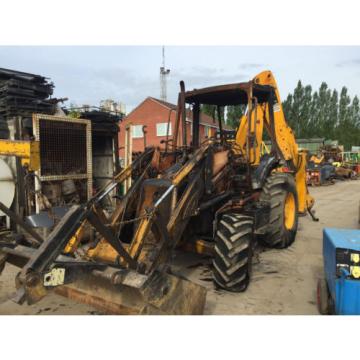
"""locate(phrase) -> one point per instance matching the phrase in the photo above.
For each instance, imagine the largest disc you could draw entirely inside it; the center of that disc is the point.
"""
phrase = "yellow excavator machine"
(212, 196)
(249, 137)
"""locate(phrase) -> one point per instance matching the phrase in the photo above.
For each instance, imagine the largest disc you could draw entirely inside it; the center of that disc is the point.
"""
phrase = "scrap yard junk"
(54, 165)
(22, 94)
(55, 160)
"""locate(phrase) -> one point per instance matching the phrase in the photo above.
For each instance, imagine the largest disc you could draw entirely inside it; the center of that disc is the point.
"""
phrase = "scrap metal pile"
(103, 120)
(114, 272)
(22, 94)
(331, 163)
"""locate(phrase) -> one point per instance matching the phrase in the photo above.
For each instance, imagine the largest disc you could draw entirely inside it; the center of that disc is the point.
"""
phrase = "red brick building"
(154, 113)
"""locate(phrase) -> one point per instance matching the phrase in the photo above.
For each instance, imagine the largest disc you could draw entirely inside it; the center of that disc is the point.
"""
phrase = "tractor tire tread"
(233, 252)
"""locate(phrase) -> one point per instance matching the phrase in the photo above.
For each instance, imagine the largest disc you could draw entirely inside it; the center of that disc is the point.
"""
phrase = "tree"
(73, 111)
(233, 115)
(305, 112)
(344, 127)
(324, 113)
(353, 132)
(211, 110)
(287, 108)
(330, 130)
(297, 109)
(323, 110)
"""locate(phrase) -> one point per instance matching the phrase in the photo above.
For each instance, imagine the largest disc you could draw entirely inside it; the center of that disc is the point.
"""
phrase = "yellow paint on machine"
(27, 151)
(285, 139)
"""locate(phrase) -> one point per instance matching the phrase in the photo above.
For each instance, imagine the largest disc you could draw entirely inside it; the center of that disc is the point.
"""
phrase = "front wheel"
(233, 252)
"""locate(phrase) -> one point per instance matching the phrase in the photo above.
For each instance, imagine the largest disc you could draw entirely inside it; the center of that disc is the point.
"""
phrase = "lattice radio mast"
(163, 74)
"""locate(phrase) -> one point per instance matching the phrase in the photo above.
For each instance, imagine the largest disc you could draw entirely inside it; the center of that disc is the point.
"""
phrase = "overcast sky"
(87, 75)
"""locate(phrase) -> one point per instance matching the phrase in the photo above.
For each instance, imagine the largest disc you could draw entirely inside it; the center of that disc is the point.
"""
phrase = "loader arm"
(270, 115)
(116, 273)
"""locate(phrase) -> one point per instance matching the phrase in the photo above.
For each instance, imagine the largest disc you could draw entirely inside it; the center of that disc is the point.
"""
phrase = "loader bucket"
(133, 293)
(110, 290)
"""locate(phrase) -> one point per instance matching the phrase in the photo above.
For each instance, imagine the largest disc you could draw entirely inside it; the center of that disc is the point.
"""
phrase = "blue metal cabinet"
(341, 253)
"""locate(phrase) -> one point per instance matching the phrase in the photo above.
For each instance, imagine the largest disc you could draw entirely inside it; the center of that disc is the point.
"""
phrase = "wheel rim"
(289, 211)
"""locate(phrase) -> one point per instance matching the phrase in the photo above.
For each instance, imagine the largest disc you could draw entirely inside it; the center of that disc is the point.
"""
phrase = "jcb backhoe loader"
(215, 197)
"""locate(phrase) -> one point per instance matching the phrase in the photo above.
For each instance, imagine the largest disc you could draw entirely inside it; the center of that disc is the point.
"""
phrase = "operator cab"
(221, 96)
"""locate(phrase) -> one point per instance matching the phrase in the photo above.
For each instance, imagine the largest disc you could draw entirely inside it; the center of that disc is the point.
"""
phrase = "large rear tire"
(280, 191)
(233, 252)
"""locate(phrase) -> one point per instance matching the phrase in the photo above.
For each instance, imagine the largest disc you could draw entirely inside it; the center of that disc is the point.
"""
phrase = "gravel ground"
(284, 281)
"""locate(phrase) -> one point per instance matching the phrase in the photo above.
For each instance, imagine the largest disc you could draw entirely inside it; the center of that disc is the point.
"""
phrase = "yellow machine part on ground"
(317, 159)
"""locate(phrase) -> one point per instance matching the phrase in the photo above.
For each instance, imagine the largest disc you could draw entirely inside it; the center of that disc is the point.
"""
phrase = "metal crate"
(65, 149)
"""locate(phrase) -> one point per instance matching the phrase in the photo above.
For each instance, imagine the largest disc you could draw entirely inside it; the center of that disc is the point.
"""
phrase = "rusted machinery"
(217, 197)
(126, 293)
(104, 273)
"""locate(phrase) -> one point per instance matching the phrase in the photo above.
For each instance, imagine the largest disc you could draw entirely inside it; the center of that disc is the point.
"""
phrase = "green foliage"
(233, 115)
(323, 113)
(211, 110)
(73, 112)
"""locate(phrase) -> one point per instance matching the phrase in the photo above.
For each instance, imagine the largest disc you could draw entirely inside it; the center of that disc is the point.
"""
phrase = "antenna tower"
(163, 74)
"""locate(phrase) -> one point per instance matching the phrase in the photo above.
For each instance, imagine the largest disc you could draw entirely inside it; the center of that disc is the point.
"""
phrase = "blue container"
(339, 247)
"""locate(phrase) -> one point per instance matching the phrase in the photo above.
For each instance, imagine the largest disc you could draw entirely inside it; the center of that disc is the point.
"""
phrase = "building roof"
(165, 103)
(204, 118)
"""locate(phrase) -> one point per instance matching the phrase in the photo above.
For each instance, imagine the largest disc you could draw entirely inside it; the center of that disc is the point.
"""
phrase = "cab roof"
(230, 94)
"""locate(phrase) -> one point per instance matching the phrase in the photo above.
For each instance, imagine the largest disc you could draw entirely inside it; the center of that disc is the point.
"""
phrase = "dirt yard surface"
(284, 281)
